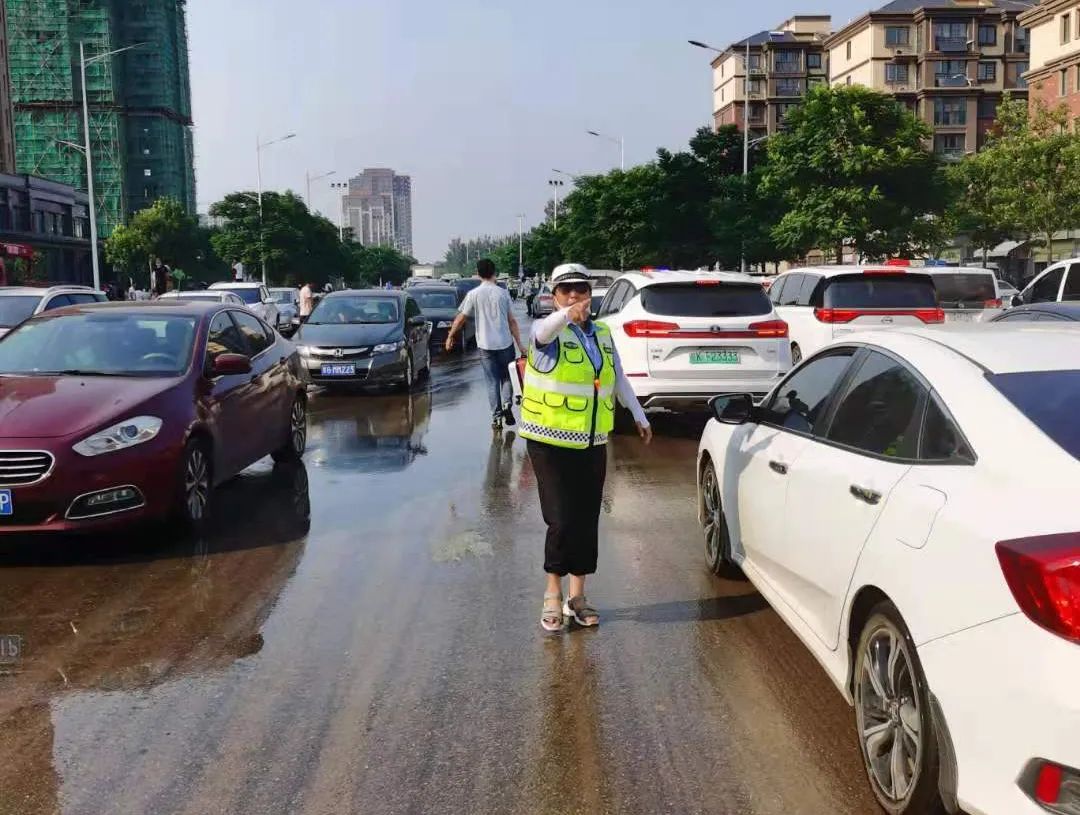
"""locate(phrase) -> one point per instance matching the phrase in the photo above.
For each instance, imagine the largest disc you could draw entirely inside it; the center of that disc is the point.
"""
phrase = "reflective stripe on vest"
(564, 388)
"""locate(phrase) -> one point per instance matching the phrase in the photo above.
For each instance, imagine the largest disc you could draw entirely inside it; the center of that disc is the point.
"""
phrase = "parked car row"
(114, 413)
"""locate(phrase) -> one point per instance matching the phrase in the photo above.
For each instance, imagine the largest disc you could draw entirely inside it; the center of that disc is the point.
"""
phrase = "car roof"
(187, 308)
(282, 288)
(649, 277)
(395, 293)
(834, 271)
(225, 284)
(23, 291)
(438, 287)
(1000, 349)
(1068, 309)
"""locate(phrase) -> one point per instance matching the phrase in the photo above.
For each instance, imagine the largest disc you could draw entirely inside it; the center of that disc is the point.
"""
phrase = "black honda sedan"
(366, 337)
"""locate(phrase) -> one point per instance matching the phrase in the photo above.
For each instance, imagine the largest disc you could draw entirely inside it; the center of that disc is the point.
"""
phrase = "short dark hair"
(485, 267)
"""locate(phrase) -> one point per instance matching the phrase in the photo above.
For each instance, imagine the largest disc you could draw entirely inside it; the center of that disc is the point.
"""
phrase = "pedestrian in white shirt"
(306, 301)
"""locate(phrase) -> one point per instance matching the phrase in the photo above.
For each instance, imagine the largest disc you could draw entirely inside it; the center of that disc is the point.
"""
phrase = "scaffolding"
(139, 100)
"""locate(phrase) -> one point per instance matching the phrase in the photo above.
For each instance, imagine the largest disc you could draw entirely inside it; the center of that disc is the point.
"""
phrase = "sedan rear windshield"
(880, 291)
(100, 344)
(435, 299)
(13, 310)
(249, 296)
(694, 300)
(355, 309)
(967, 289)
(1050, 399)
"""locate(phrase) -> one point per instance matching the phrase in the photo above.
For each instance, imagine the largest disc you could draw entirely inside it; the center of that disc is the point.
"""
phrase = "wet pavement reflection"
(359, 635)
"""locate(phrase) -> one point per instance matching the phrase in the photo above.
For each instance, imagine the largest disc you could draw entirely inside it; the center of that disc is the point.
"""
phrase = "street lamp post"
(555, 183)
(259, 147)
(617, 140)
(309, 178)
(521, 245)
(85, 149)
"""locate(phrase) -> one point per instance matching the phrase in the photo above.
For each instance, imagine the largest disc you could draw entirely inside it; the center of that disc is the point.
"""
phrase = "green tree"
(973, 211)
(374, 264)
(162, 230)
(1031, 167)
(851, 166)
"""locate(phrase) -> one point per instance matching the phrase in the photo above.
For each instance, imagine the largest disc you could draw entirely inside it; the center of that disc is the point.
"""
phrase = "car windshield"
(965, 289)
(1050, 399)
(435, 300)
(355, 309)
(99, 344)
(693, 300)
(15, 309)
(249, 296)
(465, 286)
(602, 281)
(283, 296)
(880, 291)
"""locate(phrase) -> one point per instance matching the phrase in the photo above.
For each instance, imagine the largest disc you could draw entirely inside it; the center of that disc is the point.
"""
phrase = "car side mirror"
(231, 365)
(269, 301)
(417, 321)
(1017, 301)
(732, 408)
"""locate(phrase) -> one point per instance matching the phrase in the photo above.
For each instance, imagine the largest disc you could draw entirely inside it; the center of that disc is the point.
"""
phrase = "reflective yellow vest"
(573, 405)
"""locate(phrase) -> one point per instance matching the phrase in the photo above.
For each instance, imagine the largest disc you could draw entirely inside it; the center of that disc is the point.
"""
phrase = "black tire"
(796, 354)
(296, 443)
(408, 379)
(195, 486)
(624, 421)
(714, 525)
(893, 719)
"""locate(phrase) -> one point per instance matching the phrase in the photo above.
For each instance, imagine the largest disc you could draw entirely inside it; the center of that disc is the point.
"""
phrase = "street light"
(309, 178)
(259, 147)
(618, 140)
(571, 176)
(341, 185)
(521, 245)
(555, 183)
(83, 62)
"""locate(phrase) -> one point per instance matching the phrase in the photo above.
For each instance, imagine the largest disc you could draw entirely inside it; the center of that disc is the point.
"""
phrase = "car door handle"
(863, 494)
(778, 467)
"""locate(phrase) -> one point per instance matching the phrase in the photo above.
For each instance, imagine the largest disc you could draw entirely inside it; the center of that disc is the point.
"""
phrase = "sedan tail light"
(996, 303)
(656, 329)
(846, 315)
(1043, 574)
(649, 328)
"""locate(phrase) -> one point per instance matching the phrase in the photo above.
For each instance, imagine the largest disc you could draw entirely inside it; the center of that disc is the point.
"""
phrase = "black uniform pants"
(571, 486)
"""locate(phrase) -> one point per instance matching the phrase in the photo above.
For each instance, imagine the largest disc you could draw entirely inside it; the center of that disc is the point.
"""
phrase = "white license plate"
(962, 316)
(7, 506)
(340, 369)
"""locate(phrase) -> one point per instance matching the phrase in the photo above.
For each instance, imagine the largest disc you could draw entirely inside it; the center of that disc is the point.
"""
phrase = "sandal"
(579, 610)
(551, 618)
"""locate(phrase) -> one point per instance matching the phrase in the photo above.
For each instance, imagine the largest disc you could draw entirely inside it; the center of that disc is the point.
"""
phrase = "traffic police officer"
(570, 385)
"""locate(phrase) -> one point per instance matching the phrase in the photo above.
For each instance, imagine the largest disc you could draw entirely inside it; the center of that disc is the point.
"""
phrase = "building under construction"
(139, 100)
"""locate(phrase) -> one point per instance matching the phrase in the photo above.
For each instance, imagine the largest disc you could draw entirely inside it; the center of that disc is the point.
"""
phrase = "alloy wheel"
(888, 715)
(714, 517)
(196, 484)
(796, 354)
(298, 426)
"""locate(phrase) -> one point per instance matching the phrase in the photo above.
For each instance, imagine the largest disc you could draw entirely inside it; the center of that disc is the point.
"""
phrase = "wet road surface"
(360, 635)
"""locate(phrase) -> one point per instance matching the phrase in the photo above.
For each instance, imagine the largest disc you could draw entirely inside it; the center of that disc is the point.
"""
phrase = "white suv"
(824, 303)
(17, 303)
(684, 337)
(1059, 283)
(257, 299)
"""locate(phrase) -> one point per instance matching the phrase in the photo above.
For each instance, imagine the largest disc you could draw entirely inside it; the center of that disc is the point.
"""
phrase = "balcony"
(950, 153)
(950, 81)
(951, 44)
(789, 88)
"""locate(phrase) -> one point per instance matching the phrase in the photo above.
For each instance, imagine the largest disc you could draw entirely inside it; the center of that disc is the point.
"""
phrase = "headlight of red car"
(120, 436)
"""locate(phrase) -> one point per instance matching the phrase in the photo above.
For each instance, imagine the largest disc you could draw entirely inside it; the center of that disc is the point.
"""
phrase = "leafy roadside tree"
(852, 168)
(973, 212)
(162, 230)
(1031, 164)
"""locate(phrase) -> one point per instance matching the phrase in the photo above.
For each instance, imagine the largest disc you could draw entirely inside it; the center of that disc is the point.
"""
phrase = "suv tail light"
(769, 328)
(995, 303)
(1043, 574)
(846, 315)
(649, 328)
(1054, 787)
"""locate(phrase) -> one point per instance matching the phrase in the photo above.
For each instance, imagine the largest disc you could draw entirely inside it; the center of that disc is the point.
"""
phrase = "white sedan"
(864, 499)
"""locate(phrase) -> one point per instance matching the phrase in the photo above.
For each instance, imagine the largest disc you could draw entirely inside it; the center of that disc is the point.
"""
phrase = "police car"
(684, 337)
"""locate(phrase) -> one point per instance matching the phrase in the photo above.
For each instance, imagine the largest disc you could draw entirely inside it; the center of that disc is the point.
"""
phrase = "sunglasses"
(579, 288)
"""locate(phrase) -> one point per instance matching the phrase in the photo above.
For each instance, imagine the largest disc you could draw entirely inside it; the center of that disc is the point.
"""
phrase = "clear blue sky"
(478, 101)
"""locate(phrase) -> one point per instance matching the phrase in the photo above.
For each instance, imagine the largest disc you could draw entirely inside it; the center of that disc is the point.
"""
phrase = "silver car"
(287, 300)
(17, 303)
(257, 298)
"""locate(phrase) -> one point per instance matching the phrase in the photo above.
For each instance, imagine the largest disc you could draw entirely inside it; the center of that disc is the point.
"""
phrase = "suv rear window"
(694, 300)
(880, 291)
(1050, 399)
(970, 289)
(16, 308)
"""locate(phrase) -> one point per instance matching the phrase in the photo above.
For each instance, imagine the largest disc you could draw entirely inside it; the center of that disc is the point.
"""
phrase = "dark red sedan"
(116, 413)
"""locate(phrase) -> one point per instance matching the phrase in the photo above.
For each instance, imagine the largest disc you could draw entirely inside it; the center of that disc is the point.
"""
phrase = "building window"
(147, 173)
(987, 35)
(757, 113)
(813, 60)
(1063, 82)
(895, 74)
(789, 87)
(849, 50)
(949, 112)
(1066, 28)
(755, 87)
(849, 80)
(787, 62)
(950, 37)
(755, 62)
(1077, 85)
(1021, 42)
(950, 145)
(987, 71)
(815, 81)
(897, 35)
(950, 73)
(987, 108)
(1021, 69)
(783, 109)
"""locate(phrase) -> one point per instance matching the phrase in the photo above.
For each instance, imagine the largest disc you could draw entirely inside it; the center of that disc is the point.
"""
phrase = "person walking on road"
(567, 411)
(306, 301)
(496, 336)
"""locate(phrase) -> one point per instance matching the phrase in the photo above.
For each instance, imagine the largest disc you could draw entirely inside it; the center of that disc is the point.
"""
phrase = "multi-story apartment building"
(783, 64)
(378, 209)
(1054, 74)
(950, 61)
(7, 127)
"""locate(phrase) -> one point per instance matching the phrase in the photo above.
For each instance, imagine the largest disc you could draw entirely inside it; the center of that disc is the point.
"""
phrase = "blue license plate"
(6, 505)
(339, 370)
